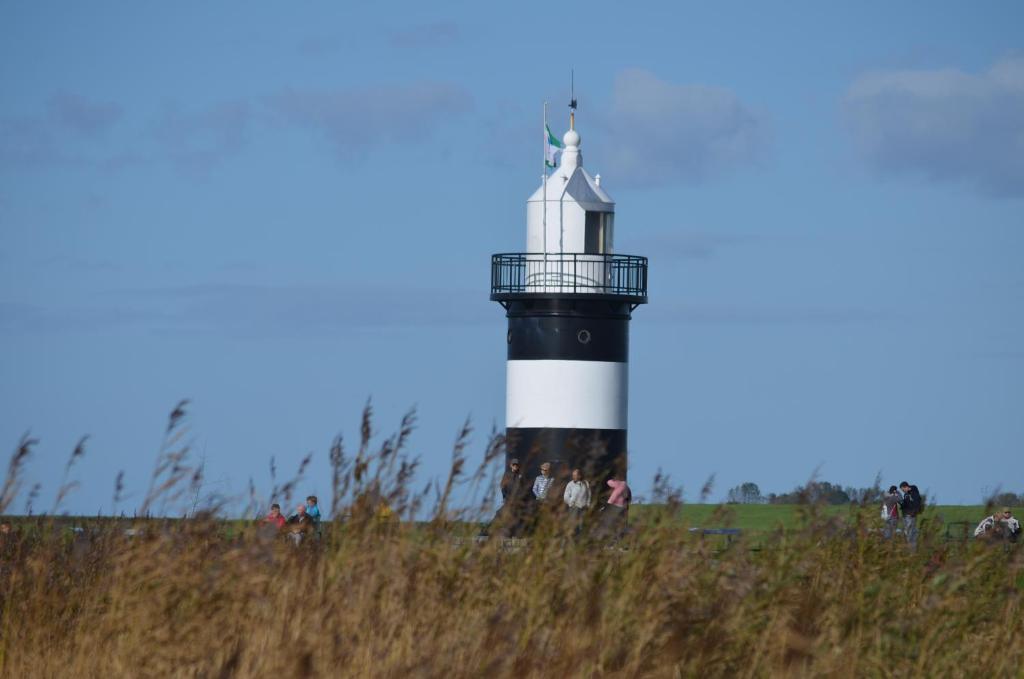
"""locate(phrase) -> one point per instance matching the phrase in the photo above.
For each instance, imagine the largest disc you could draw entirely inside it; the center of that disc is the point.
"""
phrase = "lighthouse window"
(598, 236)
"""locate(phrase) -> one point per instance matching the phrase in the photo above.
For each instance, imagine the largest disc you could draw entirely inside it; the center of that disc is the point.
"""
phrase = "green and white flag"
(552, 148)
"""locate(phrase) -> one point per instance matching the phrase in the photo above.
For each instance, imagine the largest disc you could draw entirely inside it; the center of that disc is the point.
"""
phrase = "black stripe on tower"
(569, 329)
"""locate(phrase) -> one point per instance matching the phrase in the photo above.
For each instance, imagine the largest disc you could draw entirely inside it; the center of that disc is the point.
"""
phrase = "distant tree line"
(814, 492)
(1006, 500)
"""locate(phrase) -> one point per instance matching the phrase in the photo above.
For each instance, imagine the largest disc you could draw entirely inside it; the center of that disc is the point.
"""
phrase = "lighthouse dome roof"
(571, 183)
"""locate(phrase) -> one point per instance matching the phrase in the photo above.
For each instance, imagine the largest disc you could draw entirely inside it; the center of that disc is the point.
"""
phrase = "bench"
(729, 533)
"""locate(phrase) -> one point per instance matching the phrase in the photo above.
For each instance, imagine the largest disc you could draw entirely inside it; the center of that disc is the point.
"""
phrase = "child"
(313, 510)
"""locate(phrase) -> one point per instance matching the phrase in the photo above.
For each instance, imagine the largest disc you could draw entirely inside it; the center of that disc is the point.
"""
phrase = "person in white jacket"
(577, 499)
(1002, 525)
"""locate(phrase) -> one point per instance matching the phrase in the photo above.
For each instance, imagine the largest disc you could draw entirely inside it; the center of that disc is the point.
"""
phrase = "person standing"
(577, 499)
(911, 505)
(615, 512)
(511, 481)
(890, 512)
(10, 548)
(509, 516)
(543, 482)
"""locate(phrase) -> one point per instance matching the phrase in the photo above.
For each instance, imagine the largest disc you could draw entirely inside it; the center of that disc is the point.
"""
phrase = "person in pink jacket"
(620, 496)
(614, 521)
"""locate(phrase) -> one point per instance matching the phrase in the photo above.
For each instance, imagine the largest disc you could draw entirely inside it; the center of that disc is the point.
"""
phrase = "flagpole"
(544, 218)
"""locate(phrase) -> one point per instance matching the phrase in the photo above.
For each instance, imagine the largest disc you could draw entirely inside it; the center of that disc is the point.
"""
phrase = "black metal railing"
(517, 274)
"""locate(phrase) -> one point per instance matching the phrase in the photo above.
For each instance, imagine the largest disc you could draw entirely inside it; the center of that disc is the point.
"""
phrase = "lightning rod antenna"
(572, 99)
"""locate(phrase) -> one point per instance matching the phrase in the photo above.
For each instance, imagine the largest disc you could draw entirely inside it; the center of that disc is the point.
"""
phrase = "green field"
(764, 518)
(750, 519)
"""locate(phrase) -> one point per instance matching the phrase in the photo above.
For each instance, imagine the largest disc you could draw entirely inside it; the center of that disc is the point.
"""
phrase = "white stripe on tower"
(566, 394)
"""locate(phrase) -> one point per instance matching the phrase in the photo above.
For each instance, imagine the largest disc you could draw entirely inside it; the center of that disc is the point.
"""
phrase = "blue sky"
(280, 212)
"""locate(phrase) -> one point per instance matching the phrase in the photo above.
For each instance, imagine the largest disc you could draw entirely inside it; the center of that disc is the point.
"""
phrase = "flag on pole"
(552, 148)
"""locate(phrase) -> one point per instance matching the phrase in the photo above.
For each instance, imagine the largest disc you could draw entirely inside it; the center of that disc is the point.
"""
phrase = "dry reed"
(207, 598)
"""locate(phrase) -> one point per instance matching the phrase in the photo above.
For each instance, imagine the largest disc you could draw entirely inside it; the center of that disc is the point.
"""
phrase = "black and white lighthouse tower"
(569, 299)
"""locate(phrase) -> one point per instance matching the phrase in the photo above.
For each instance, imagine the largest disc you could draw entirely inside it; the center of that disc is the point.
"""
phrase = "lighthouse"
(568, 299)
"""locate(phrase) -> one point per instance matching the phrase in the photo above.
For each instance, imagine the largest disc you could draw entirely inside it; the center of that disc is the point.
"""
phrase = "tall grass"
(190, 598)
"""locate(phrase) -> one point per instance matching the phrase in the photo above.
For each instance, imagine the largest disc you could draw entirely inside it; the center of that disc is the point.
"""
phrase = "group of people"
(305, 521)
(906, 501)
(571, 494)
(1002, 525)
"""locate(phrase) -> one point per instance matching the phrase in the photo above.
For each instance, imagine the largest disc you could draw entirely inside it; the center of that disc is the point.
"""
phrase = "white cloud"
(666, 133)
(945, 125)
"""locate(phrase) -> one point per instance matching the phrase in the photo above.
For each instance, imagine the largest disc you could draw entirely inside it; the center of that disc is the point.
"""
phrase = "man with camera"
(911, 505)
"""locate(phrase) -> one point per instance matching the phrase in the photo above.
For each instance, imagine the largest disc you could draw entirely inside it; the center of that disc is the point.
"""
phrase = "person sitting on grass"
(1001, 525)
(275, 517)
(300, 524)
(313, 509)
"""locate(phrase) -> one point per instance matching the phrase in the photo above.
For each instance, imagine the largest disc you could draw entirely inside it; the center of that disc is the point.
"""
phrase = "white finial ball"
(571, 138)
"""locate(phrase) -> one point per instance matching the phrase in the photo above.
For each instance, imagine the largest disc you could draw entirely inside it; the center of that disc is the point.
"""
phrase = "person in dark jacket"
(511, 481)
(513, 494)
(911, 505)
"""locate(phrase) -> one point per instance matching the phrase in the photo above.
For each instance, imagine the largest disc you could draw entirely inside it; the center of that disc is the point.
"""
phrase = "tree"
(864, 495)
(812, 493)
(745, 494)
(1006, 500)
